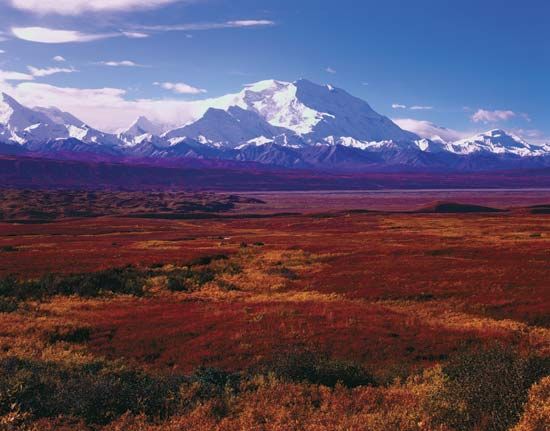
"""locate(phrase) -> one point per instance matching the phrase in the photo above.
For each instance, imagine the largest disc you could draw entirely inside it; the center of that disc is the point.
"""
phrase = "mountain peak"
(496, 132)
(7, 99)
(141, 126)
(504, 135)
(497, 141)
(267, 84)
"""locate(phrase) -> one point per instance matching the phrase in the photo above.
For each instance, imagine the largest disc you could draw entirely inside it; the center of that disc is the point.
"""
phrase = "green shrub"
(127, 280)
(536, 416)
(485, 389)
(8, 249)
(179, 283)
(320, 369)
(213, 382)
(70, 335)
(8, 305)
(189, 280)
(98, 392)
(207, 260)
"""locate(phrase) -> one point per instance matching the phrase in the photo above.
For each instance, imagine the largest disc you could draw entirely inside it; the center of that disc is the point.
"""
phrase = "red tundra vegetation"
(211, 312)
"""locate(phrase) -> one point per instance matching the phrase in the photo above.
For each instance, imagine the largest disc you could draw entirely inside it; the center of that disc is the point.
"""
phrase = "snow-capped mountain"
(228, 128)
(292, 125)
(21, 125)
(140, 131)
(496, 141)
(303, 112)
(142, 126)
(37, 127)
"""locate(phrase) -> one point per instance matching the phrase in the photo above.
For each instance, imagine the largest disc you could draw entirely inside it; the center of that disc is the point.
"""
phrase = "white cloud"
(249, 23)
(533, 136)
(412, 108)
(6, 75)
(76, 7)
(484, 116)
(2, 51)
(107, 109)
(421, 108)
(180, 87)
(526, 117)
(49, 71)
(243, 23)
(59, 59)
(135, 34)
(426, 129)
(49, 35)
(123, 63)
(330, 70)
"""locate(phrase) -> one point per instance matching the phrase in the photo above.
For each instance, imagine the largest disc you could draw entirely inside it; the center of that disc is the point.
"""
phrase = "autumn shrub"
(536, 415)
(8, 249)
(8, 305)
(127, 280)
(283, 271)
(97, 392)
(318, 368)
(79, 334)
(484, 389)
(189, 279)
(207, 260)
(213, 382)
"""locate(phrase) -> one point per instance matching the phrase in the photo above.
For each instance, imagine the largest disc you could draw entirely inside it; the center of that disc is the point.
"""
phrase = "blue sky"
(467, 65)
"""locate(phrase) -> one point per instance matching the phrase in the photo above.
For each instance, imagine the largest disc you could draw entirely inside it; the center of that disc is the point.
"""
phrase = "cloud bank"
(485, 116)
(49, 71)
(180, 87)
(123, 63)
(49, 35)
(428, 130)
(77, 7)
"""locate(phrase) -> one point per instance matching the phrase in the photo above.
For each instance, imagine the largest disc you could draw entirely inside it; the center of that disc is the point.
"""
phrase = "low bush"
(318, 368)
(69, 335)
(207, 260)
(8, 305)
(536, 416)
(189, 279)
(8, 249)
(485, 389)
(97, 392)
(127, 280)
(101, 392)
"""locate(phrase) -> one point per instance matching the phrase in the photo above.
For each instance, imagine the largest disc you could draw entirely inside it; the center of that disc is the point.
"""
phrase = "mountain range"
(281, 124)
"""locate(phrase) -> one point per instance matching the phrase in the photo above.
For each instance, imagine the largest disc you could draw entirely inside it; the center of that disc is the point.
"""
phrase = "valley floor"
(305, 312)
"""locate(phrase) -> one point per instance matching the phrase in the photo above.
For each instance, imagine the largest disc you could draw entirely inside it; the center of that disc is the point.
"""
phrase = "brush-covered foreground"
(335, 320)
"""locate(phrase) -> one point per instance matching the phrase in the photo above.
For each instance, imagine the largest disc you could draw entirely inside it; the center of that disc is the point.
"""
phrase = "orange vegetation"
(399, 294)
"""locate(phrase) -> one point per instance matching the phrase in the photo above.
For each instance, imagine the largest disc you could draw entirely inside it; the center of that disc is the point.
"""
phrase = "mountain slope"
(228, 128)
(19, 124)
